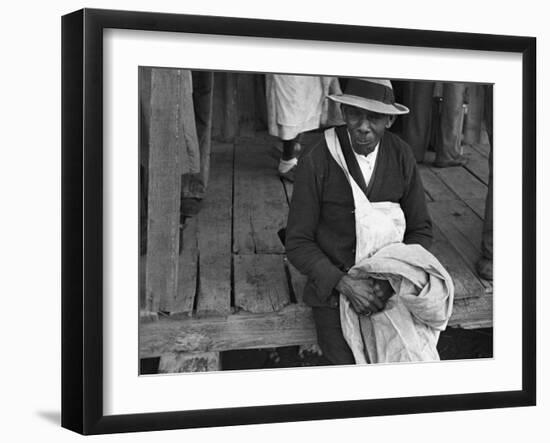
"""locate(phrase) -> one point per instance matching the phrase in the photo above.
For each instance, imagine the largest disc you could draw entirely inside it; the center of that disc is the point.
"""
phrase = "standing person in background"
(484, 266)
(296, 104)
(416, 127)
(447, 149)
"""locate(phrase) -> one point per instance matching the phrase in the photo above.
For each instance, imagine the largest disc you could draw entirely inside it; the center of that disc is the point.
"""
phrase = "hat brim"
(370, 105)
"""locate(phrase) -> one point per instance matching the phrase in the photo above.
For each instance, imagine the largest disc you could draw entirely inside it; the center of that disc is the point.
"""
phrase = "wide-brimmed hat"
(371, 94)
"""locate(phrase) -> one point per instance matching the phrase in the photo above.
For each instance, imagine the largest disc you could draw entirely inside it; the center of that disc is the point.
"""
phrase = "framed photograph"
(261, 218)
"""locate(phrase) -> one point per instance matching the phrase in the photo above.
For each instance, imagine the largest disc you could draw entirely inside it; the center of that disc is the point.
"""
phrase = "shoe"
(484, 268)
(450, 163)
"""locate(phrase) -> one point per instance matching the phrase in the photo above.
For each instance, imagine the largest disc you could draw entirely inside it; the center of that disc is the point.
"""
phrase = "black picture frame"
(82, 219)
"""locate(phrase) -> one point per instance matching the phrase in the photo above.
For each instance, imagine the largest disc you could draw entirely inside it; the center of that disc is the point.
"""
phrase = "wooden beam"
(472, 313)
(292, 325)
(165, 158)
(260, 283)
(175, 362)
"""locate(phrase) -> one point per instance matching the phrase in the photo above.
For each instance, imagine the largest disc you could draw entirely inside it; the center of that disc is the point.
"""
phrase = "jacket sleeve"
(303, 218)
(413, 202)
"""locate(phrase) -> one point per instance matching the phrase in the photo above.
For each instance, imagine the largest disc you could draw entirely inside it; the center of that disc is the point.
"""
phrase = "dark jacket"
(320, 236)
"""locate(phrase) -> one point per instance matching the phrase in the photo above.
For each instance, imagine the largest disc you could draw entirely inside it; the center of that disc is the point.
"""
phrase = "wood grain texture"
(214, 237)
(165, 156)
(472, 313)
(260, 206)
(175, 362)
(434, 186)
(290, 326)
(187, 269)
(461, 182)
(466, 283)
(260, 283)
(478, 165)
(461, 227)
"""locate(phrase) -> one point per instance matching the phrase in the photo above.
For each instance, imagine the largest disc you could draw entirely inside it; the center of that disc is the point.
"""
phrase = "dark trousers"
(416, 126)
(330, 337)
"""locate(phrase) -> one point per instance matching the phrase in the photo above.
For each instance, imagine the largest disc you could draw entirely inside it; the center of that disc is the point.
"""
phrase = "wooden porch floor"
(235, 288)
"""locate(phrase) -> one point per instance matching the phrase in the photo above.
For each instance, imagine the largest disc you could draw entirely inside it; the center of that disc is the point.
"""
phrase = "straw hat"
(371, 94)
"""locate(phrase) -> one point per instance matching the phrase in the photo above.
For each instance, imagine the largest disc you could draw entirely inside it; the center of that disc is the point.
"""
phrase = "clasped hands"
(366, 296)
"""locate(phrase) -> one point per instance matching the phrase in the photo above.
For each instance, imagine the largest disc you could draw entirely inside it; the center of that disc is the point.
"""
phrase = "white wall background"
(30, 93)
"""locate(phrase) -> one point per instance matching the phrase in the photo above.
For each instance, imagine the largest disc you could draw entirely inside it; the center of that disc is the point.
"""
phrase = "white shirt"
(367, 162)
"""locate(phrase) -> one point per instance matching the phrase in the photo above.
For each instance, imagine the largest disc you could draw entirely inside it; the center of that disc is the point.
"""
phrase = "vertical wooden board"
(246, 97)
(461, 227)
(163, 191)
(260, 206)
(218, 103)
(187, 126)
(260, 283)
(433, 185)
(298, 282)
(215, 235)
(187, 269)
(477, 164)
(230, 116)
(466, 283)
(461, 182)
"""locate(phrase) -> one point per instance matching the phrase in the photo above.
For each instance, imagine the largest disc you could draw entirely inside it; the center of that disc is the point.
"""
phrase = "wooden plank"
(477, 164)
(260, 206)
(460, 225)
(214, 237)
(461, 182)
(433, 185)
(165, 157)
(477, 205)
(177, 362)
(293, 325)
(260, 283)
(466, 283)
(474, 312)
(298, 282)
(462, 228)
(187, 269)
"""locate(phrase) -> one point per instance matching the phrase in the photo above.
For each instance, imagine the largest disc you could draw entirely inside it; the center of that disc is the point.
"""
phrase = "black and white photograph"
(309, 220)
